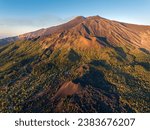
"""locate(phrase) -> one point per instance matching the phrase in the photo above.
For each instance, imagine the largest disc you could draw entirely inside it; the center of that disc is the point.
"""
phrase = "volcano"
(89, 64)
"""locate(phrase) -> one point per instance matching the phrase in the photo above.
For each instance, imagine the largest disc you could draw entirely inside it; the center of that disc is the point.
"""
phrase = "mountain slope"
(138, 34)
(7, 40)
(86, 65)
(54, 29)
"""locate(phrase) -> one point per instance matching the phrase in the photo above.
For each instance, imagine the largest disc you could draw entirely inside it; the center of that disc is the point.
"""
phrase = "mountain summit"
(96, 26)
(54, 29)
(89, 64)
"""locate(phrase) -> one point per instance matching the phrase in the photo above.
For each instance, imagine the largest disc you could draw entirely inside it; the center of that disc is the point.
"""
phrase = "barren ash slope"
(90, 64)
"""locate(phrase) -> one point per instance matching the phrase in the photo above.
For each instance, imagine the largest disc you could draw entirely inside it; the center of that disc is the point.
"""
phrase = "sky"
(21, 16)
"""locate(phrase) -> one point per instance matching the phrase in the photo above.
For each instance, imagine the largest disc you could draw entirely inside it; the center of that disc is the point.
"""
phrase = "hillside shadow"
(96, 79)
(101, 63)
(144, 50)
(73, 56)
(86, 28)
(119, 50)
